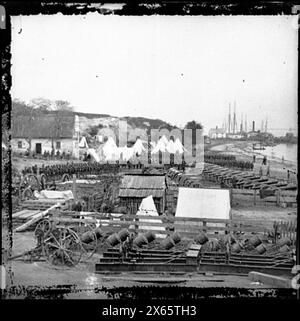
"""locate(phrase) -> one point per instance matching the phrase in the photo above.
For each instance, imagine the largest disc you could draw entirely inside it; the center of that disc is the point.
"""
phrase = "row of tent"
(109, 151)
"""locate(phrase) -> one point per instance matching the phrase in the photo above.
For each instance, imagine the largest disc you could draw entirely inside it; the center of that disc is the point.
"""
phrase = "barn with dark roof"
(44, 133)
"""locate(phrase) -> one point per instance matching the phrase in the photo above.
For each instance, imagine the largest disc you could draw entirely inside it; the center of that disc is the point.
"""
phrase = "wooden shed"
(136, 187)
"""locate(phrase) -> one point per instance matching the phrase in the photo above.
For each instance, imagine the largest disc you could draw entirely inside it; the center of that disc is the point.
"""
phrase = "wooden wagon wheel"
(63, 247)
(33, 182)
(42, 231)
(26, 194)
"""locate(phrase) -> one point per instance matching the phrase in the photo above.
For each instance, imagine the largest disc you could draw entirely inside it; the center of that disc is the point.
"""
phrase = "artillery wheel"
(42, 230)
(33, 182)
(63, 247)
(26, 194)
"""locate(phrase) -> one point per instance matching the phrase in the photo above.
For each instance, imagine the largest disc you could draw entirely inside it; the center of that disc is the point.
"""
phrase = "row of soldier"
(84, 168)
(241, 165)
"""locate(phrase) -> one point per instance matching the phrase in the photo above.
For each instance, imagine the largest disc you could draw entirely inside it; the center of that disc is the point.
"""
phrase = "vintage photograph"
(151, 152)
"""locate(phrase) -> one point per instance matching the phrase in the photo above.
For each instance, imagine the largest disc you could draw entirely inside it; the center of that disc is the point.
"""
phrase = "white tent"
(171, 147)
(126, 152)
(179, 147)
(164, 139)
(160, 146)
(111, 150)
(92, 152)
(203, 203)
(83, 143)
(138, 147)
(147, 208)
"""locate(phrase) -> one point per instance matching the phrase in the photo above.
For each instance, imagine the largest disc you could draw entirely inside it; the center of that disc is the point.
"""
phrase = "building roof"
(43, 126)
(142, 186)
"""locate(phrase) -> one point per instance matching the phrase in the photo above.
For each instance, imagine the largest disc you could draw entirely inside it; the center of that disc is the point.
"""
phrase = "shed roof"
(142, 186)
(43, 126)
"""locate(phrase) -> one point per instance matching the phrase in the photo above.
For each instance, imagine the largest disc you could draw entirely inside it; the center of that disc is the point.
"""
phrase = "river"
(288, 151)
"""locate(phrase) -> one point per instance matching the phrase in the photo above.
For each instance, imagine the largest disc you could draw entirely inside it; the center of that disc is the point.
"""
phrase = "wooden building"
(136, 187)
(44, 133)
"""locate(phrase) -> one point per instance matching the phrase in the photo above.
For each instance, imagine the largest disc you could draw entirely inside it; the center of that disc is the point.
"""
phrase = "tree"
(193, 125)
(63, 106)
(41, 104)
(19, 107)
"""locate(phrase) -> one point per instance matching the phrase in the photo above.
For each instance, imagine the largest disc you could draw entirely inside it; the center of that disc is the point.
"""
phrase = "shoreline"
(243, 151)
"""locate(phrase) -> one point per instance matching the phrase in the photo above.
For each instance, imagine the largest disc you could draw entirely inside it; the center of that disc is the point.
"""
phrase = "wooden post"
(254, 197)
(38, 179)
(278, 197)
(74, 187)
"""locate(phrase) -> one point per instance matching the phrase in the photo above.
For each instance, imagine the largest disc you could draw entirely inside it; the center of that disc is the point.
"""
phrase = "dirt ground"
(85, 280)
(270, 213)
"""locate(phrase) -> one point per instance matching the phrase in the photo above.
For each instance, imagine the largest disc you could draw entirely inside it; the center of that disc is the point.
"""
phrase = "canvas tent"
(164, 140)
(171, 147)
(179, 147)
(147, 208)
(160, 146)
(126, 152)
(110, 150)
(138, 147)
(92, 153)
(203, 203)
(83, 143)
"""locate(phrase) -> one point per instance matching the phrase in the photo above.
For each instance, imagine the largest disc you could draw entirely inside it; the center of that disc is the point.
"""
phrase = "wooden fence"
(252, 197)
(187, 227)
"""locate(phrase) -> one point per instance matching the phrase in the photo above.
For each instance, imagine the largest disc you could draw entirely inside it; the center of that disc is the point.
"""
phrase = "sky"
(176, 68)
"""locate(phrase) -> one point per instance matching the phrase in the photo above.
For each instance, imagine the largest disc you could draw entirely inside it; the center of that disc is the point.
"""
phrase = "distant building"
(252, 134)
(136, 187)
(45, 133)
(235, 136)
(215, 133)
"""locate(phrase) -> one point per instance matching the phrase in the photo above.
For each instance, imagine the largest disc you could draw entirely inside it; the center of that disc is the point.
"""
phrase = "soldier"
(234, 181)
(268, 171)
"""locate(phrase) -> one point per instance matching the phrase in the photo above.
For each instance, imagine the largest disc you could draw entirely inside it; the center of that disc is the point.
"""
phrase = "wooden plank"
(29, 214)
(17, 214)
(35, 219)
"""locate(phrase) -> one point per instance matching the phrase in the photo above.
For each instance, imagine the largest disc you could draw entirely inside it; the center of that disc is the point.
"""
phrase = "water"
(288, 151)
